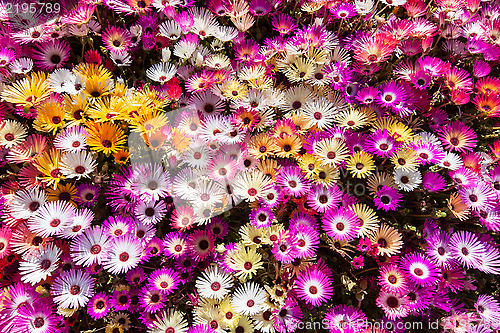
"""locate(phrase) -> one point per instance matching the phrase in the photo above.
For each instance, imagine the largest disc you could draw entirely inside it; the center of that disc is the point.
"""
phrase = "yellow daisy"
(360, 164)
(106, 137)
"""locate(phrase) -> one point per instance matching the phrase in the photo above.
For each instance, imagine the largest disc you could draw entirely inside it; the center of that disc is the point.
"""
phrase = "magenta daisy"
(381, 143)
(165, 280)
(116, 39)
(392, 279)
(394, 306)
(387, 198)
(314, 287)
(52, 54)
(321, 198)
(307, 241)
(341, 224)
(427, 152)
(433, 182)
(345, 317)
(98, 306)
(420, 269)
(261, 217)
(200, 244)
(467, 248)
(292, 179)
(72, 289)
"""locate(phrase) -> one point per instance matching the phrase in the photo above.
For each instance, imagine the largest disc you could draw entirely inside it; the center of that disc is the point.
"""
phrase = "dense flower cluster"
(239, 166)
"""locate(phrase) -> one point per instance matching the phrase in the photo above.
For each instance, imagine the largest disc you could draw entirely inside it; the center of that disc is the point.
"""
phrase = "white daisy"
(52, 218)
(169, 321)
(198, 155)
(251, 186)
(170, 29)
(124, 254)
(121, 58)
(150, 212)
(451, 161)
(81, 221)
(208, 193)
(207, 102)
(71, 139)
(12, 133)
(62, 80)
(72, 289)
(214, 283)
(185, 183)
(77, 165)
(153, 183)
(320, 112)
(407, 180)
(40, 264)
(25, 203)
(249, 299)
(161, 72)
(21, 65)
(90, 247)
(226, 33)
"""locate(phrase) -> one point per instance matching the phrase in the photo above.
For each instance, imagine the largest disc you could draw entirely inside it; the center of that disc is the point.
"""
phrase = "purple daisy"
(136, 276)
(52, 54)
(117, 226)
(394, 306)
(439, 249)
(175, 244)
(151, 300)
(341, 224)
(488, 309)
(387, 198)
(419, 299)
(433, 182)
(40, 317)
(87, 194)
(218, 227)
(285, 248)
(392, 94)
(120, 300)
(288, 317)
(261, 217)
(303, 219)
(464, 176)
(458, 137)
(200, 244)
(99, 306)
(420, 269)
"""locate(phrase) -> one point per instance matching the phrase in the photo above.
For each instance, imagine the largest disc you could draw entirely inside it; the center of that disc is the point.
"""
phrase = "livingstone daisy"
(341, 224)
(72, 289)
(314, 287)
(214, 283)
(124, 253)
(249, 299)
(420, 269)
